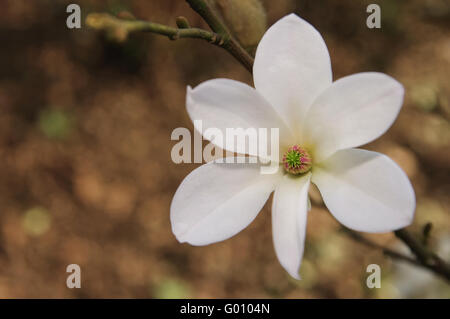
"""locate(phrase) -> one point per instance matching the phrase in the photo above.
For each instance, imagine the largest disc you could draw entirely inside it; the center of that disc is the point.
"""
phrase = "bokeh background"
(85, 169)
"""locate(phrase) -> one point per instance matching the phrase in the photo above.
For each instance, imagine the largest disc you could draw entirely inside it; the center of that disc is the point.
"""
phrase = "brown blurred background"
(86, 176)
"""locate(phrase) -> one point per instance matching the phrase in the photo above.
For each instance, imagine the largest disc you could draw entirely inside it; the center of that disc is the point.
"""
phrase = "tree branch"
(121, 28)
(423, 254)
(424, 257)
(208, 14)
(230, 43)
(387, 251)
(109, 23)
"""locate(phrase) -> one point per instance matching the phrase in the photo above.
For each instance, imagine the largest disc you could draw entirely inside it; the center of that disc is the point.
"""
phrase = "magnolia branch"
(424, 257)
(120, 28)
(387, 251)
(215, 23)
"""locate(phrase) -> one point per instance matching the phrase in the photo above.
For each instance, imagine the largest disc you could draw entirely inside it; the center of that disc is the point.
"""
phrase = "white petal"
(289, 210)
(366, 191)
(292, 67)
(354, 111)
(223, 103)
(218, 200)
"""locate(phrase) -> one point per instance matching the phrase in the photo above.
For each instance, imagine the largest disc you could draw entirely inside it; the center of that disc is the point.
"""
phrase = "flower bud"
(246, 20)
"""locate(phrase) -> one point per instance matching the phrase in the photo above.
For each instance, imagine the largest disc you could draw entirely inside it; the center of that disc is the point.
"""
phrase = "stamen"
(297, 160)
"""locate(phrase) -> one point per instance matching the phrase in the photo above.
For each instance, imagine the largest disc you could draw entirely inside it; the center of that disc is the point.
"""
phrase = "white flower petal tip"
(289, 214)
(223, 104)
(353, 111)
(217, 200)
(292, 67)
(366, 191)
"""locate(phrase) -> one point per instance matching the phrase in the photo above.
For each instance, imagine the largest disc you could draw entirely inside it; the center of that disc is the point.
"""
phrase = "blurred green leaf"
(55, 123)
(171, 288)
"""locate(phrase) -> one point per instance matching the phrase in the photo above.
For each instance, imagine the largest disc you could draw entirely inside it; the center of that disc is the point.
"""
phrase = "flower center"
(297, 160)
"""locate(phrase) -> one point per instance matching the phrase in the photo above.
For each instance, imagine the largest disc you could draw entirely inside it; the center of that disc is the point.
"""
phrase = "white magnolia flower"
(320, 122)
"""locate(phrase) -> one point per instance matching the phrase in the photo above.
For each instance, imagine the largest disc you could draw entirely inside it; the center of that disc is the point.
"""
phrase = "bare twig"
(387, 251)
(120, 28)
(208, 14)
(109, 23)
(230, 43)
(423, 254)
(424, 257)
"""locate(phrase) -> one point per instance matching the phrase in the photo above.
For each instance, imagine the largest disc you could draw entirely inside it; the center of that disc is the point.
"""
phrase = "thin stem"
(208, 14)
(215, 23)
(121, 28)
(424, 255)
(104, 21)
(387, 251)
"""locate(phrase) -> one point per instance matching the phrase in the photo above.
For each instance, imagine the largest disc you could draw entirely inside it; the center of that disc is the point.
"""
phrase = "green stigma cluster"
(297, 160)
